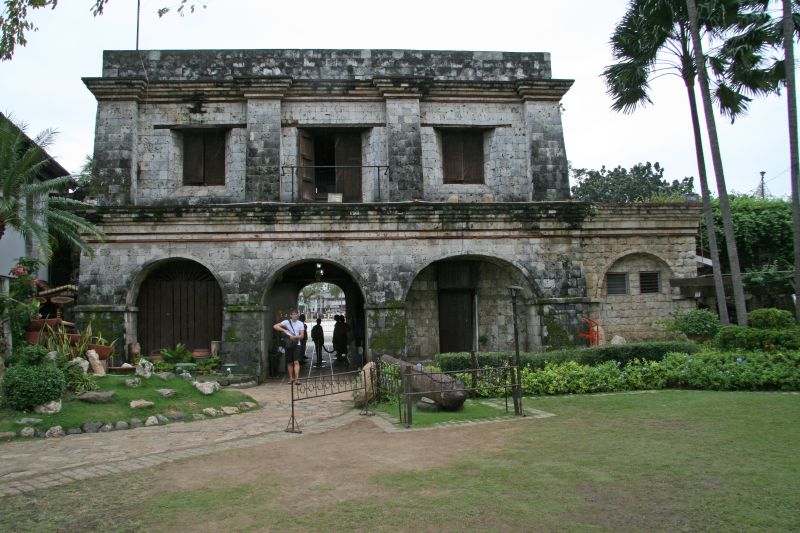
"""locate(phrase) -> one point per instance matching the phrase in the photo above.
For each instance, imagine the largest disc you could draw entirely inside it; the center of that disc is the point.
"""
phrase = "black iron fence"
(343, 176)
(328, 385)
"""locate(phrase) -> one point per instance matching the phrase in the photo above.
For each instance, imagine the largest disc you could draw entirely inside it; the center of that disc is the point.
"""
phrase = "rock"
(74, 431)
(361, 397)
(105, 428)
(39, 434)
(165, 375)
(8, 435)
(210, 411)
(151, 421)
(198, 416)
(94, 361)
(246, 406)
(96, 396)
(177, 415)
(161, 418)
(55, 431)
(187, 376)
(166, 393)
(618, 340)
(29, 421)
(27, 432)
(230, 410)
(133, 382)
(207, 387)
(140, 404)
(49, 408)
(91, 427)
(426, 404)
(135, 423)
(144, 368)
(52, 356)
(81, 362)
(121, 425)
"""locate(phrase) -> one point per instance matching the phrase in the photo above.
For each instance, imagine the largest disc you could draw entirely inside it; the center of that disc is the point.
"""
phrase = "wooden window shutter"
(473, 157)
(193, 158)
(453, 156)
(214, 158)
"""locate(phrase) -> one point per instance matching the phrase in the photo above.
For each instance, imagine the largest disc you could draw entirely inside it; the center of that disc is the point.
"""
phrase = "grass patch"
(667, 461)
(75, 413)
(472, 410)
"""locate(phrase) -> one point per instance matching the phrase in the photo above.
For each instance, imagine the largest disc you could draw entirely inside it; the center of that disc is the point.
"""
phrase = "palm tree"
(28, 203)
(652, 40)
(716, 158)
(791, 98)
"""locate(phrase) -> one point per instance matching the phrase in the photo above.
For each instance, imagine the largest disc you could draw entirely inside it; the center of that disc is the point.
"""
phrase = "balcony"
(334, 183)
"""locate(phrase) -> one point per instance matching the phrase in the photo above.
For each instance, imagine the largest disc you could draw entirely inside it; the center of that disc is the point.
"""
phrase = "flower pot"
(36, 337)
(155, 357)
(201, 353)
(39, 324)
(102, 351)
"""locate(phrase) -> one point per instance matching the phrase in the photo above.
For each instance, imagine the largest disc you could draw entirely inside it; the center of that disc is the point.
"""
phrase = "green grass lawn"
(75, 413)
(472, 410)
(666, 461)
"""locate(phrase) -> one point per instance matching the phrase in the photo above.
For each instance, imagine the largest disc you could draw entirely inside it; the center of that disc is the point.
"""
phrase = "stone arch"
(473, 305)
(279, 271)
(138, 276)
(600, 285)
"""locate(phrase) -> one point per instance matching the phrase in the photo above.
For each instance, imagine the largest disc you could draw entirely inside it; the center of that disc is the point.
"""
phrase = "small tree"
(643, 182)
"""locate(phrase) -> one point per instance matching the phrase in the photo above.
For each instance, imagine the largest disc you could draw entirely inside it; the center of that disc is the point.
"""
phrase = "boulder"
(162, 419)
(94, 361)
(29, 421)
(207, 387)
(166, 393)
(427, 405)
(186, 376)
(176, 415)
(81, 362)
(121, 425)
(228, 410)
(135, 423)
(144, 368)
(96, 396)
(55, 431)
(8, 435)
(210, 411)
(91, 427)
(52, 356)
(74, 431)
(133, 382)
(361, 397)
(618, 340)
(105, 428)
(246, 406)
(141, 404)
(49, 408)
(165, 375)
(151, 421)
(27, 432)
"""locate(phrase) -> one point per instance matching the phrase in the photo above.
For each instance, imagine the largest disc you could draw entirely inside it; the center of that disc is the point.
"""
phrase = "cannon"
(448, 393)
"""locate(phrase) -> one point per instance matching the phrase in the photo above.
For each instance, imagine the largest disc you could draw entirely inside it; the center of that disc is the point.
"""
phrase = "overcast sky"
(42, 86)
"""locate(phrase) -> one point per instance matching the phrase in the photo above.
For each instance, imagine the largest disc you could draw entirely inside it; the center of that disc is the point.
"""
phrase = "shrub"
(179, 354)
(163, 366)
(699, 324)
(535, 360)
(77, 380)
(731, 371)
(739, 338)
(28, 355)
(770, 318)
(24, 387)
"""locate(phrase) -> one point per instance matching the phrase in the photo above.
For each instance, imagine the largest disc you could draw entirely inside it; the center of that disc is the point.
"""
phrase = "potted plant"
(101, 345)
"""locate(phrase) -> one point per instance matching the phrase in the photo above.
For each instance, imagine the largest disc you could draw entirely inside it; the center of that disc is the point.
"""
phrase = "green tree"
(643, 182)
(15, 24)
(27, 203)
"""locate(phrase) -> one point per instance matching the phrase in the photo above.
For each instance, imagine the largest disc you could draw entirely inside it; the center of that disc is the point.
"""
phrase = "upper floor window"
(617, 283)
(204, 157)
(649, 283)
(462, 156)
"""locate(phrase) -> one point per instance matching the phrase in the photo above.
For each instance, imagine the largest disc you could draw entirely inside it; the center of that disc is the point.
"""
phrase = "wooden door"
(179, 302)
(456, 320)
(348, 154)
(305, 159)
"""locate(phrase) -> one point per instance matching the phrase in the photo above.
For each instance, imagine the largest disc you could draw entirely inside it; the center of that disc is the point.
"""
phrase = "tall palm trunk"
(724, 205)
(791, 98)
(708, 213)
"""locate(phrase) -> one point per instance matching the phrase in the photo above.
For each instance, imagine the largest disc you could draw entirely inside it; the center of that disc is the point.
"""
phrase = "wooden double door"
(330, 162)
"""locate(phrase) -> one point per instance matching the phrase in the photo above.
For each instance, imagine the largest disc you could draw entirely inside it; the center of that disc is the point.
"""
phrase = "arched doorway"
(283, 294)
(180, 301)
(463, 303)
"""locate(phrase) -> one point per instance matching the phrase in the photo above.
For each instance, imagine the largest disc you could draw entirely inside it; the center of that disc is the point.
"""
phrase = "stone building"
(423, 183)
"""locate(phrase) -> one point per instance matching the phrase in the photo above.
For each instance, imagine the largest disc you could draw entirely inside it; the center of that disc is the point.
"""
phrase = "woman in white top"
(293, 329)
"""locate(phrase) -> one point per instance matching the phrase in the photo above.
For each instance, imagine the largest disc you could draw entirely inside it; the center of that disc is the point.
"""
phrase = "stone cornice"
(539, 90)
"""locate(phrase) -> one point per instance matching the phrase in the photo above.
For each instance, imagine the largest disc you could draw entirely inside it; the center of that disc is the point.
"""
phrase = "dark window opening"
(330, 162)
(462, 156)
(617, 283)
(204, 157)
(649, 283)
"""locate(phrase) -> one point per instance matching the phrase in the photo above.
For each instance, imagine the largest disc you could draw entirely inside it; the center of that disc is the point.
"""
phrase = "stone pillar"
(242, 337)
(262, 174)
(386, 331)
(404, 139)
(547, 154)
(115, 139)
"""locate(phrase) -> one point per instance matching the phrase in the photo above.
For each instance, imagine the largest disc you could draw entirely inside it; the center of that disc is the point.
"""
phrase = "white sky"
(42, 86)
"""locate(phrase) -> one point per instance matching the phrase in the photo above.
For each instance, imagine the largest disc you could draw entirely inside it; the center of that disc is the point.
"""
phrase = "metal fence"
(293, 172)
(331, 384)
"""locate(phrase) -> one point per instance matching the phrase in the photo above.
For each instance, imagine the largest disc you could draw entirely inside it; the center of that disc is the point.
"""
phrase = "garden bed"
(473, 410)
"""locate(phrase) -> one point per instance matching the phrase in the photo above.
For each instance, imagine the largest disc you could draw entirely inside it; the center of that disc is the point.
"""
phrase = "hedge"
(739, 338)
(647, 351)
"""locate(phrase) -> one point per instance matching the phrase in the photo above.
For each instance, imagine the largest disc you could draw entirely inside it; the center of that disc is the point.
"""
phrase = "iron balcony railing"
(341, 173)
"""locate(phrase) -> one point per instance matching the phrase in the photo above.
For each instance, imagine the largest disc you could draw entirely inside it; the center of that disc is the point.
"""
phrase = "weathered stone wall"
(116, 151)
(548, 161)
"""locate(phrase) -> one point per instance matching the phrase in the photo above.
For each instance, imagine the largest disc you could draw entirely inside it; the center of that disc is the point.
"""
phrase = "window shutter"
(616, 283)
(473, 156)
(453, 155)
(192, 158)
(649, 283)
(214, 157)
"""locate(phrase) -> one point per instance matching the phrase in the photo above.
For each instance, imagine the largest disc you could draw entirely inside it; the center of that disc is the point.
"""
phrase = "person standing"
(293, 331)
(303, 343)
(318, 338)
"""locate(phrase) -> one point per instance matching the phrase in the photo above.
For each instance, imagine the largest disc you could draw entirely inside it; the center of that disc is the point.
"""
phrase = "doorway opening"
(330, 164)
